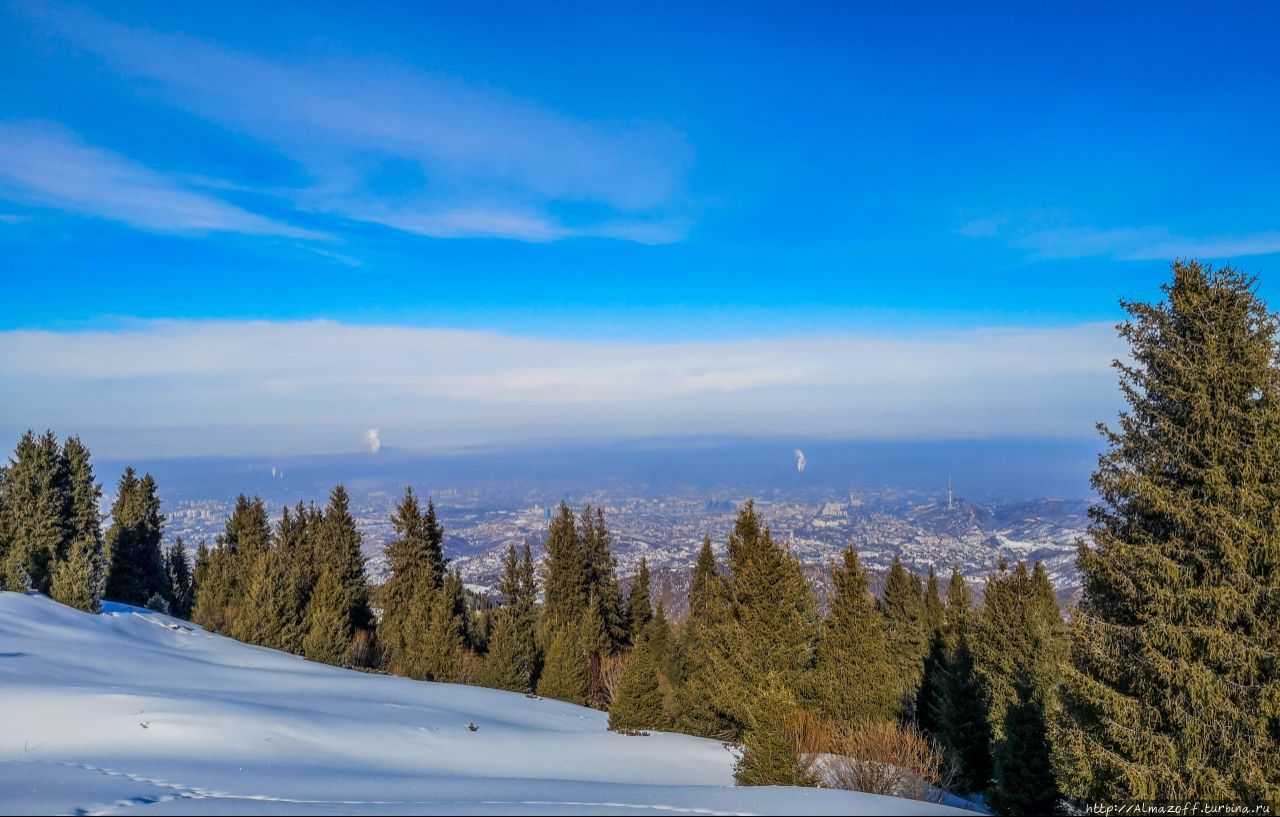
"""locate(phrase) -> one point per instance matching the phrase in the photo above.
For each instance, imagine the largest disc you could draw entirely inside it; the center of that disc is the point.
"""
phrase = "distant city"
(886, 508)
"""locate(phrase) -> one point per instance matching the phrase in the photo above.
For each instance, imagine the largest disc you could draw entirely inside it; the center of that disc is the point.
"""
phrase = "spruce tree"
(902, 604)
(135, 558)
(513, 651)
(199, 573)
(339, 553)
(639, 606)
(1019, 639)
(597, 643)
(180, 583)
(220, 593)
(1023, 769)
(853, 678)
(639, 704)
(434, 656)
(695, 713)
(564, 671)
(956, 701)
(328, 622)
(455, 592)
(771, 753)
(767, 625)
(1173, 691)
(409, 593)
(293, 551)
(602, 577)
(566, 574)
(1019, 642)
(80, 577)
(935, 625)
(934, 607)
(269, 615)
(33, 513)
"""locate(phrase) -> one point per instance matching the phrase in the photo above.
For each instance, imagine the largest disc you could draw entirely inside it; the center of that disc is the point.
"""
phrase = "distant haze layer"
(727, 467)
(177, 388)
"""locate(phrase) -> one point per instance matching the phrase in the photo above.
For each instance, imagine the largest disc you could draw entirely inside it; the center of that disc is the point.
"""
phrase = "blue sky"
(594, 174)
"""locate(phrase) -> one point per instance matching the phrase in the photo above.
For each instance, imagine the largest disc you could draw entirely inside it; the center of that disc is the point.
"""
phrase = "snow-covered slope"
(134, 712)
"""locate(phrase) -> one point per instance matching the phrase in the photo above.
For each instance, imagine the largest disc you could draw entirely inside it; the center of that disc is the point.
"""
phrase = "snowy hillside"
(134, 712)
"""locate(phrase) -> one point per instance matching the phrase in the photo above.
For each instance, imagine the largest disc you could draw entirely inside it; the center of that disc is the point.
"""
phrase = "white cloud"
(491, 164)
(46, 165)
(1146, 243)
(374, 439)
(191, 387)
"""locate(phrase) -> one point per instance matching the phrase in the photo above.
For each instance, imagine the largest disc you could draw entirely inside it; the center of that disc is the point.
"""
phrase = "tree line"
(51, 537)
(1161, 683)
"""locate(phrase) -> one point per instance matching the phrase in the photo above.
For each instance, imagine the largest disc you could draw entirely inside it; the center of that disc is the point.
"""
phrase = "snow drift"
(131, 711)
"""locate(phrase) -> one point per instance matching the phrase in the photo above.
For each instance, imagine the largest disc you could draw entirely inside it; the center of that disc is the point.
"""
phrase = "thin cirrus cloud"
(45, 165)
(211, 386)
(490, 164)
(1147, 243)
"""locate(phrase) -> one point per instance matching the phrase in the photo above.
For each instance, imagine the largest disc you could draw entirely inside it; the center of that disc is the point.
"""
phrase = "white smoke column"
(800, 460)
(375, 442)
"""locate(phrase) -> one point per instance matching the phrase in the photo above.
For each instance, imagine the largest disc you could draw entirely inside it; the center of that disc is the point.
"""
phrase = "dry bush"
(470, 668)
(610, 679)
(881, 757)
(812, 738)
(367, 651)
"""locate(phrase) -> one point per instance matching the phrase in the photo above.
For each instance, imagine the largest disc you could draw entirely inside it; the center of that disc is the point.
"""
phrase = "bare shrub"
(470, 669)
(610, 679)
(881, 757)
(367, 651)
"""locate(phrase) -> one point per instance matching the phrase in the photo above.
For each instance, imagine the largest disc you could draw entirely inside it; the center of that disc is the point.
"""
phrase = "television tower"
(949, 505)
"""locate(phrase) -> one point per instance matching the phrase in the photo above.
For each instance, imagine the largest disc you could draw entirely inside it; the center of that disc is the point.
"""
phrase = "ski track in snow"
(178, 791)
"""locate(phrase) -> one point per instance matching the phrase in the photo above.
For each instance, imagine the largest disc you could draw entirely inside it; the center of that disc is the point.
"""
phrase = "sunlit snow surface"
(133, 712)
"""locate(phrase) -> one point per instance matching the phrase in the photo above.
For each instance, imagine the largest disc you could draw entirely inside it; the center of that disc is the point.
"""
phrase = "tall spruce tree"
(1173, 691)
(767, 625)
(328, 636)
(455, 592)
(79, 579)
(339, 553)
(853, 678)
(294, 550)
(34, 521)
(956, 701)
(902, 604)
(1020, 641)
(133, 549)
(220, 593)
(408, 597)
(180, 583)
(639, 704)
(935, 625)
(564, 671)
(199, 573)
(513, 650)
(602, 577)
(1023, 768)
(269, 614)
(566, 574)
(639, 605)
(434, 656)
(695, 713)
